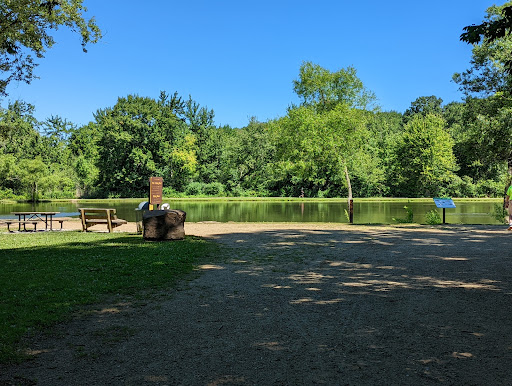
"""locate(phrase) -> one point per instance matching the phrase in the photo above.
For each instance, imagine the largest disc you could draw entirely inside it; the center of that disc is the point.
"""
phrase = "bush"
(194, 189)
(213, 189)
(500, 214)
(409, 218)
(489, 188)
(7, 194)
(462, 187)
(433, 217)
(167, 191)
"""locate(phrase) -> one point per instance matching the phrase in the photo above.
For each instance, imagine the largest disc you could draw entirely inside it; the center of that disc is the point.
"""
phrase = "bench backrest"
(98, 213)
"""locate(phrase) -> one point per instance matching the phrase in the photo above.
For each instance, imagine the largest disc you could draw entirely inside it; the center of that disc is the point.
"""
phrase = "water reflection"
(365, 212)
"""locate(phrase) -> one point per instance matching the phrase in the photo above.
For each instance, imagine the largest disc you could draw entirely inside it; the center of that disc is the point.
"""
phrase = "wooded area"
(335, 142)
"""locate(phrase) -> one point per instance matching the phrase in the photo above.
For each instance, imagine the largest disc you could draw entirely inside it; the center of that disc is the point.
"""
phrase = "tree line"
(334, 143)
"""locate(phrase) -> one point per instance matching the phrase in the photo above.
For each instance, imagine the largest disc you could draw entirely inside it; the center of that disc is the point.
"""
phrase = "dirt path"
(310, 304)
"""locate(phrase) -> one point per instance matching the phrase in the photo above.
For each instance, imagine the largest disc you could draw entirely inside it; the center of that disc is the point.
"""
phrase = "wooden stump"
(164, 224)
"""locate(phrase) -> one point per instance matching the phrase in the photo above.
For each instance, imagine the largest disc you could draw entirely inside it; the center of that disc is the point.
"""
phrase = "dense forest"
(335, 143)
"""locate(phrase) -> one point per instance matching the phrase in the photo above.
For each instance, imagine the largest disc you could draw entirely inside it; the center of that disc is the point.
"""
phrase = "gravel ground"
(302, 304)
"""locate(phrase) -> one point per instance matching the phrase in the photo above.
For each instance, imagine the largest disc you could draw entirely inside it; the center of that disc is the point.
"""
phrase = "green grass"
(46, 276)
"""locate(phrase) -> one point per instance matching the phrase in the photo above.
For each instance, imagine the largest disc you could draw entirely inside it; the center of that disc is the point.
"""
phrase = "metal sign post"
(444, 203)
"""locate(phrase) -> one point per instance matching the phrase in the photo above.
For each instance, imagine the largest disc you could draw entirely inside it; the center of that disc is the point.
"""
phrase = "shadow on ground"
(365, 306)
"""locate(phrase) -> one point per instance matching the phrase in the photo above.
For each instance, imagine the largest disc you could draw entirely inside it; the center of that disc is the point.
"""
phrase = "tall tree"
(140, 137)
(424, 105)
(249, 156)
(490, 77)
(324, 89)
(496, 26)
(25, 27)
(424, 160)
(317, 151)
(490, 70)
(335, 97)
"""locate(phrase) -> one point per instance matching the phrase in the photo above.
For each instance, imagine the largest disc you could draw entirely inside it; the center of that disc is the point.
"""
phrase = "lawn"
(46, 276)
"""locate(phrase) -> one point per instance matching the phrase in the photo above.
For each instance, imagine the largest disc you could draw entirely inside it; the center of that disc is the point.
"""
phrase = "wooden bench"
(60, 220)
(95, 216)
(24, 223)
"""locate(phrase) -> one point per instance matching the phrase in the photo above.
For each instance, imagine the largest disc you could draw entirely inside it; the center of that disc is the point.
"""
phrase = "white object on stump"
(164, 224)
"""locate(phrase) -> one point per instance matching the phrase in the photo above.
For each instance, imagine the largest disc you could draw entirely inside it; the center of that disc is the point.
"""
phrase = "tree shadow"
(373, 305)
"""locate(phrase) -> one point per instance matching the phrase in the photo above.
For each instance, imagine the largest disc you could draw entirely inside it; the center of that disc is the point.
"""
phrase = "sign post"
(155, 191)
(444, 203)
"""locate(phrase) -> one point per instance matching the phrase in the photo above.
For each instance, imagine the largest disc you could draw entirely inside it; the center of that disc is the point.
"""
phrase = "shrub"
(409, 218)
(489, 188)
(213, 189)
(167, 191)
(194, 189)
(500, 214)
(462, 187)
(433, 217)
(7, 194)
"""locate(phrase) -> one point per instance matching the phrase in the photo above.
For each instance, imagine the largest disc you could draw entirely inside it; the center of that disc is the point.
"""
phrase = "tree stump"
(164, 224)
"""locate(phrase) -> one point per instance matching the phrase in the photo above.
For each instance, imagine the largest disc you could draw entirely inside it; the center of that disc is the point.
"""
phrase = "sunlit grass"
(45, 276)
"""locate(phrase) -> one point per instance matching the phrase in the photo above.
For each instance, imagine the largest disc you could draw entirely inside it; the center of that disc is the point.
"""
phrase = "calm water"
(467, 212)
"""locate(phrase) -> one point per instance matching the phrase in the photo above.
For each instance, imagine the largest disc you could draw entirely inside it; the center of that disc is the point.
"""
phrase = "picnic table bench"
(95, 216)
(9, 222)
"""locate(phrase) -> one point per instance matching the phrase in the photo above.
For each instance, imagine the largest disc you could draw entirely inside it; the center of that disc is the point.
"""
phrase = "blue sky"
(239, 58)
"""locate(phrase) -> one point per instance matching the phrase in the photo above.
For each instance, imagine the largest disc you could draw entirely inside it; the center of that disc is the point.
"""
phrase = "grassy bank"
(46, 276)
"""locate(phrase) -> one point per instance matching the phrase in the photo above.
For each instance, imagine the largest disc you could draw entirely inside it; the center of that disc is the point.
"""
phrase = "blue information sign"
(444, 202)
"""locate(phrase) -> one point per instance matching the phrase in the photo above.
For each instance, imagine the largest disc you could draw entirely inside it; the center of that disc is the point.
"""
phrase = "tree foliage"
(491, 63)
(329, 146)
(496, 26)
(25, 27)
(424, 160)
(324, 89)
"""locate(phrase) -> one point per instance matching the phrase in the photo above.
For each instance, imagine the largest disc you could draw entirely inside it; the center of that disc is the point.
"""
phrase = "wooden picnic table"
(95, 216)
(25, 218)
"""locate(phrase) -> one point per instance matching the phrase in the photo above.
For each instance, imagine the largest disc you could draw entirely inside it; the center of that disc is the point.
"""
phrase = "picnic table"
(95, 216)
(34, 218)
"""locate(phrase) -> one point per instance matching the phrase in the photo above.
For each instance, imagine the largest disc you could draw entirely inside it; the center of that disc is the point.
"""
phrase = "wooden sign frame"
(156, 185)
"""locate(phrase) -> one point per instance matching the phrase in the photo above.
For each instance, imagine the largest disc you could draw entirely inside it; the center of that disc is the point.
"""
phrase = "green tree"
(489, 78)
(18, 130)
(315, 150)
(250, 153)
(424, 163)
(424, 105)
(55, 140)
(495, 28)
(208, 141)
(324, 89)
(492, 49)
(83, 144)
(383, 130)
(138, 139)
(184, 163)
(25, 31)
(33, 174)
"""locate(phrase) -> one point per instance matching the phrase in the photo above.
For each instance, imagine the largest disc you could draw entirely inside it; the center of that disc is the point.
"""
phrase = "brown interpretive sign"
(155, 190)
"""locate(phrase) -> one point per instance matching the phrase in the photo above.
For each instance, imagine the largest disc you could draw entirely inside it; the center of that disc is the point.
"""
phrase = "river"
(365, 211)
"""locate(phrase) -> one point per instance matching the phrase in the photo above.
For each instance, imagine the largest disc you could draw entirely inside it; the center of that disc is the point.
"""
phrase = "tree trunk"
(164, 224)
(509, 162)
(350, 199)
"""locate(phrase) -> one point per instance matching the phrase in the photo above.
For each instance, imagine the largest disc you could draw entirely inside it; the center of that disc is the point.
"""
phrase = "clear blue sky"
(239, 58)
